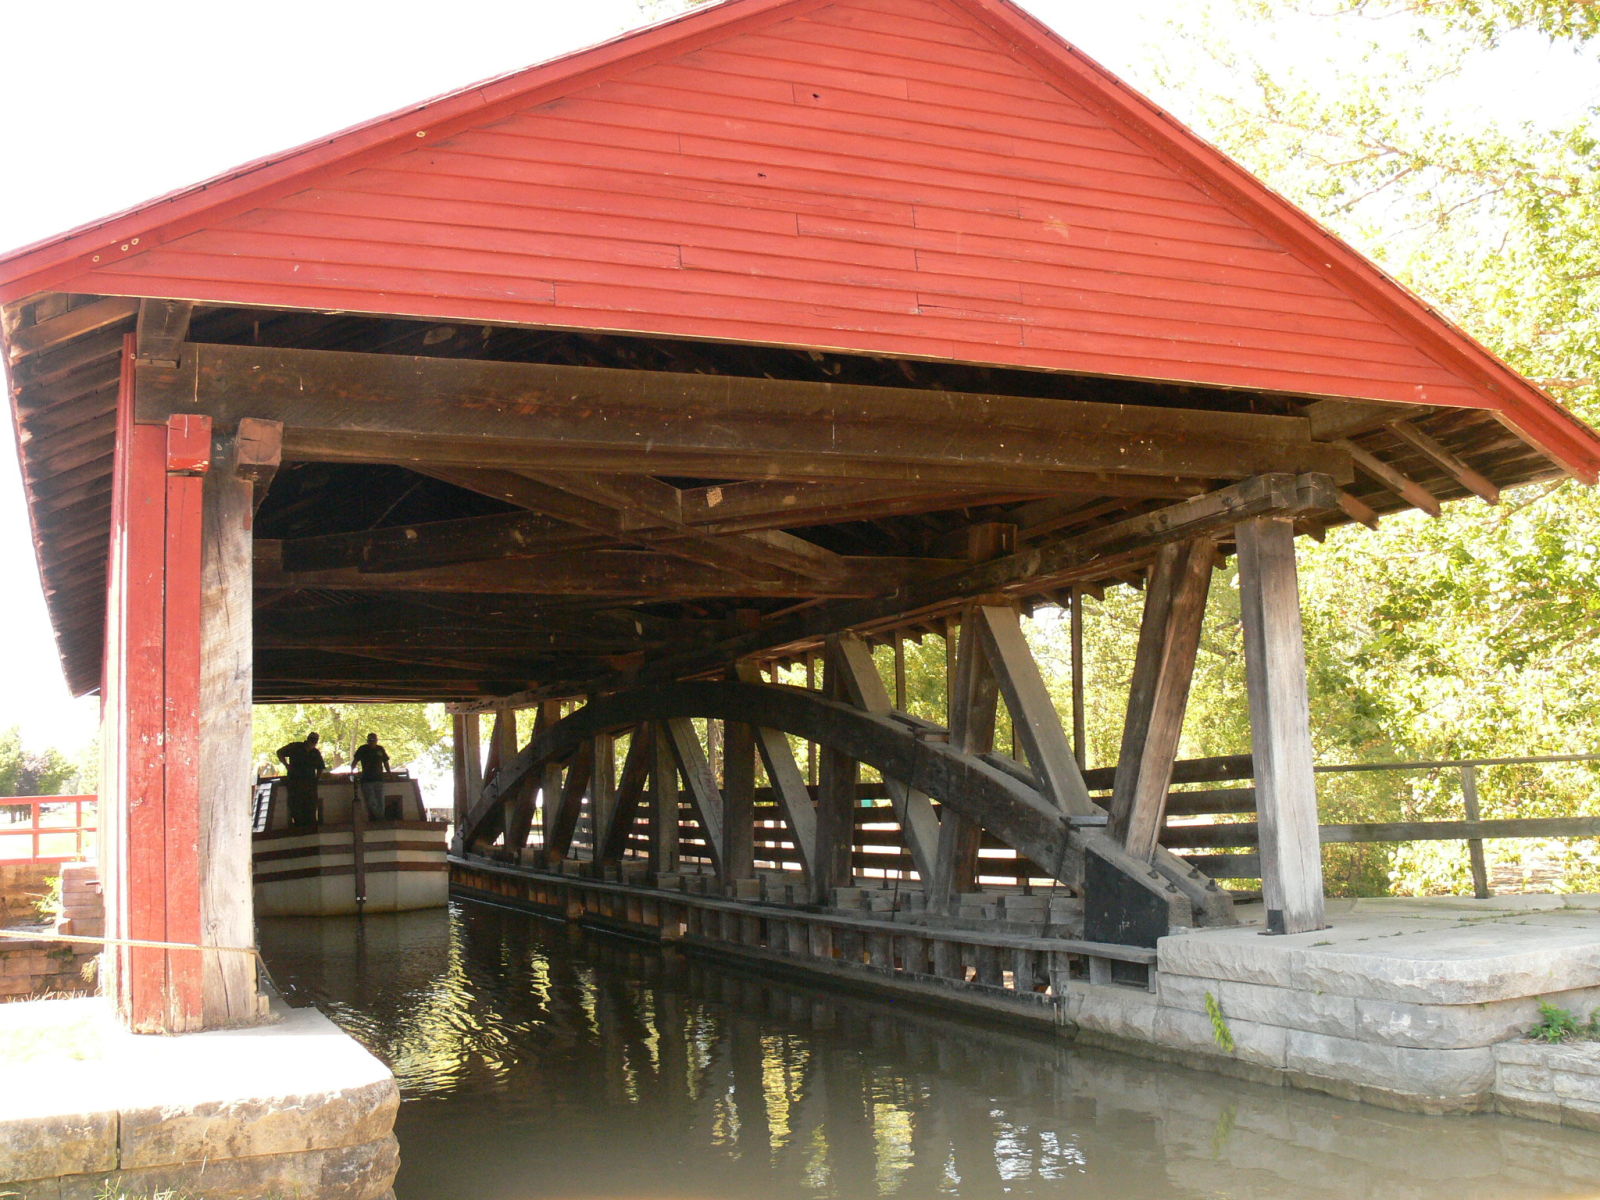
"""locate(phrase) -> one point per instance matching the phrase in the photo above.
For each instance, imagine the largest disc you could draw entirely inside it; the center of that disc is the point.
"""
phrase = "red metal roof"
(918, 178)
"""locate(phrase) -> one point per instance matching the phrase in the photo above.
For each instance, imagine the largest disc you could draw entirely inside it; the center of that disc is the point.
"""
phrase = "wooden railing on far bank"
(1225, 849)
(46, 829)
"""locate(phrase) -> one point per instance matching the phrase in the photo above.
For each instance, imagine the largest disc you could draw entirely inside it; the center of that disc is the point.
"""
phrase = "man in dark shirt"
(371, 761)
(302, 763)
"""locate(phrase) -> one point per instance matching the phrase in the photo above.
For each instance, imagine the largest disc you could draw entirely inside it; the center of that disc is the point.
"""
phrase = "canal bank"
(539, 1060)
(1413, 1004)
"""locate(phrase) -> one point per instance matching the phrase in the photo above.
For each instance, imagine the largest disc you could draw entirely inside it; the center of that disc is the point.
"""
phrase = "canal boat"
(347, 863)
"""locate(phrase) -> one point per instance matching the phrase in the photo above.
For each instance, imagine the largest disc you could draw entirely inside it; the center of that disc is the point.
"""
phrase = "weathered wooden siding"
(876, 175)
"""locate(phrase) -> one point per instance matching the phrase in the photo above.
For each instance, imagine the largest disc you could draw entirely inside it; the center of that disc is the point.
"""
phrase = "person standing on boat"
(369, 765)
(302, 763)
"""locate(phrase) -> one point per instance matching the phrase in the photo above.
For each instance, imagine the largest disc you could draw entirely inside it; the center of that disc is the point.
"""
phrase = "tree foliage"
(415, 735)
(32, 772)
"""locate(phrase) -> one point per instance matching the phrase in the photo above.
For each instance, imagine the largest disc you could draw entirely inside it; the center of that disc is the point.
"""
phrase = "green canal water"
(538, 1061)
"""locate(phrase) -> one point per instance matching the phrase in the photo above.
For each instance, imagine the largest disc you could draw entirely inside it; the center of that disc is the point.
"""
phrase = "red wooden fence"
(46, 829)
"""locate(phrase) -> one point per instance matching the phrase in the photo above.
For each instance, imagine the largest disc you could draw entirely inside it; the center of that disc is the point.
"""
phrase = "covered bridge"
(762, 331)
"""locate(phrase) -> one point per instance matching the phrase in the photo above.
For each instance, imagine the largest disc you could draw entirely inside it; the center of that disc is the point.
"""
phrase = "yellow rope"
(26, 935)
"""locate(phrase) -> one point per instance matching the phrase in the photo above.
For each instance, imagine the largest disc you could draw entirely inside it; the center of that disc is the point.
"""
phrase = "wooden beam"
(602, 793)
(258, 455)
(701, 785)
(838, 773)
(1080, 728)
(520, 802)
(462, 799)
(663, 798)
(1033, 713)
(161, 331)
(1407, 489)
(613, 846)
(345, 406)
(225, 768)
(558, 841)
(1098, 554)
(1280, 726)
(1446, 461)
(645, 503)
(974, 698)
(1358, 510)
(1169, 640)
(788, 784)
(997, 800)
(620, 573)
(1332, 419)
(398, 548)
(863, 687)
(738, 801)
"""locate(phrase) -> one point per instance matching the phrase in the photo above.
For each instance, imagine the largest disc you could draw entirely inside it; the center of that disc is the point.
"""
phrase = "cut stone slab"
(293, 1107)
(1380, 955)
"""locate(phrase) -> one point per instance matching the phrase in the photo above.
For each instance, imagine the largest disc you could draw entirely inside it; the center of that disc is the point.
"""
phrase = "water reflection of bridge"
(596, 1067)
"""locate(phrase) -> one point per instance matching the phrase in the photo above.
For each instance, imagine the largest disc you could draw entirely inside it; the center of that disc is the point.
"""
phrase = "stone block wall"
(21, 886)
(1556, 1083)
(41, 965)
(1420, 1013)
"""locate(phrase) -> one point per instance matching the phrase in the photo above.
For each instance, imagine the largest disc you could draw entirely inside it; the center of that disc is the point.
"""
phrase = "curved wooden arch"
(1001, 802)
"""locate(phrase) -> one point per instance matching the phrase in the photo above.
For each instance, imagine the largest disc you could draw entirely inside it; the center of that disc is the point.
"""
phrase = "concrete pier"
(292, 1108)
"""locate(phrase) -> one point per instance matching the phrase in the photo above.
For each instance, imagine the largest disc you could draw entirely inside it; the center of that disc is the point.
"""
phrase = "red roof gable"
(919, 178)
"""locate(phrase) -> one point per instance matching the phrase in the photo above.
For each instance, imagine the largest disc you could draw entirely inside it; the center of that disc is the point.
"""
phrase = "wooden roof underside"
(566, 620)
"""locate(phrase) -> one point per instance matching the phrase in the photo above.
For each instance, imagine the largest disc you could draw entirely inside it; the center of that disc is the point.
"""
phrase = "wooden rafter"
(1406, 488)
(1446, 461)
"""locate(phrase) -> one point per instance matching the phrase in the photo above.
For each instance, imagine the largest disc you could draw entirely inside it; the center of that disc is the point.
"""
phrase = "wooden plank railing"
(46, 829)
(1239, 838)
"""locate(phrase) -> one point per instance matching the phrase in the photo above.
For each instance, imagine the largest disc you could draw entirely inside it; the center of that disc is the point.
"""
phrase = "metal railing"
(46, 829)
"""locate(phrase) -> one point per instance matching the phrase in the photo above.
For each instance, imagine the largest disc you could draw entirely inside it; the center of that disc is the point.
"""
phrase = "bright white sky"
(110, 106)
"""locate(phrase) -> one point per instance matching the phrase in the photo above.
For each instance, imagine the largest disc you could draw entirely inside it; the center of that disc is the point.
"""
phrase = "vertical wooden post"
(1169, 639)
(974, 696)
(602, 793)
(176, 852)
(550, 777)
(900, 670)
(836, 798)
(462, 797)
(630, 793)
(1280, 726)
(738, 802)
(919, 824)
(663, 800)
(225, 771)
(1469, 801)
(1080, 727)
(472, 748)
(188, 455)
(811, 747)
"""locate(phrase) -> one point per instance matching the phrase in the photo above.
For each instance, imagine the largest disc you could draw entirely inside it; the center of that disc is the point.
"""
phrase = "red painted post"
(188, 455)
(151, 810)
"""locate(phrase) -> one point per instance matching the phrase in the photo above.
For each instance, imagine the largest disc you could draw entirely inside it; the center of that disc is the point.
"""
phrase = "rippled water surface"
(540, 1062)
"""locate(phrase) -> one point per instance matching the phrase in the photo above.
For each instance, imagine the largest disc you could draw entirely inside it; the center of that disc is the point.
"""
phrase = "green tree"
(1474, 634)
(413, 734)
(27, 772)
